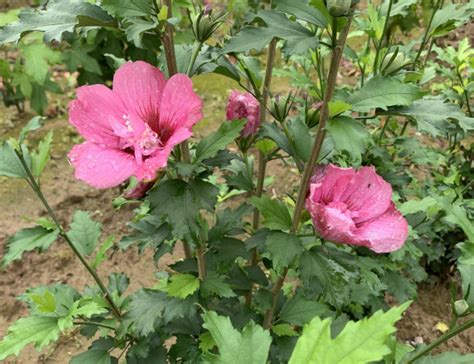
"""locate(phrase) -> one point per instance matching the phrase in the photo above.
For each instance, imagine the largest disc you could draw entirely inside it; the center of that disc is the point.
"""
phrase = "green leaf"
(435, 117)
(284, 248)
(349, 135)
(302, 10)
(34, 124)
(300, 138)
(135, 30)
(26, 240)
(380, 93)
(456, 214)
(10, 165)
(126, 8)
(359, 342)
(298, 39)
(38, 57)
(215, 284)
(182, 285)
(60, 16)
(467, 279)
(39, 99)
(37, 330)
(41, 157)
(414, 206)
(146, 307)
(101, 253)
(210, 145)
(250, 346)
(275, 213)
(98, 353)
(45, 303)
(299, 311)
(181, 202)
(284, 330)
(84, 232)
(79, 57)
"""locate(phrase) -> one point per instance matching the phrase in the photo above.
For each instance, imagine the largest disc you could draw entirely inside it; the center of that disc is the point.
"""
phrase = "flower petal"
(367, 195)
(140, 86)
(147, 171)
(329, 183)
(94, 113)
(180, 106)
(101, 167)
(385, 233)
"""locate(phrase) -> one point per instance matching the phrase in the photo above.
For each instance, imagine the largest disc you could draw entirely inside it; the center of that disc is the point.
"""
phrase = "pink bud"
(244, 106)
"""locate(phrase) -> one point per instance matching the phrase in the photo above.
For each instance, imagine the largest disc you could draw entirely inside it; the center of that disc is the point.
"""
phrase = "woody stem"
(308, 171)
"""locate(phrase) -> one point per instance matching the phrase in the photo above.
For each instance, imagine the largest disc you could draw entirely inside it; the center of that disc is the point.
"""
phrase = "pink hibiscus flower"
(131, 129)
(244, 106)
(354, 207)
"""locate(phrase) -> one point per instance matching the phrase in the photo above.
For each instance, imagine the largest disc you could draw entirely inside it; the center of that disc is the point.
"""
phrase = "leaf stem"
(94, 323)
(384, 31)
(34, 185)
(445, 337)
(308, 171)
(426, 34)
(201, 263)
(196, 49)
(168, 45)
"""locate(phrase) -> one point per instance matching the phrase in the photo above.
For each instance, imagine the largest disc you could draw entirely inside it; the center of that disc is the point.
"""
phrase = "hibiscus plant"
(265, 271)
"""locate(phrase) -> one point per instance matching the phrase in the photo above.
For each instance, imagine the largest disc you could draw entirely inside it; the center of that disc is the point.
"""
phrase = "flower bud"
(461, 307)
(281, 106)
(312, 113)
(338, 7)
(138, 191)
(392, 62)
(244, 106)
(204, 24)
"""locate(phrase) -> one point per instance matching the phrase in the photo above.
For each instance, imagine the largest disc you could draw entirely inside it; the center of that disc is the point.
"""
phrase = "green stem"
(382, 133)
(445, 337)
(309, 168)
(426, 34)
(201, 263)
(65, 236)
(196, 50)
(93, 323)
(382, 37)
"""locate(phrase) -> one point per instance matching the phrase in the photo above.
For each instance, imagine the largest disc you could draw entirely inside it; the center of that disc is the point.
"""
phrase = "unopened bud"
(461, 307)
(281, 106)
(204, 24)
(338, 7)
(393, 62)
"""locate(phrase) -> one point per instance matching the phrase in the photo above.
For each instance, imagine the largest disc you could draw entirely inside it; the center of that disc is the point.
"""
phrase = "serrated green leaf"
(456, 214)
(435, 117)
(79, 57)
(28, 239)
(127, 8)
(101, 253)
(299, 311)
(302, 10)
(38, 57)
(41, 157)
(283, 248)
(45, 302)
(180, 202)
(250, 346)
(359, 342)
(34, 124)
(146, 307)
(182, 285)
(414, 206)
(275, 213)
(37, 330)
(382, 92)
(348, 134)
(98, 353)
(10, 165)
(210, 145)
(206, 342)
(84, 232)
(301, 139)
(215, 284)
(60, 16)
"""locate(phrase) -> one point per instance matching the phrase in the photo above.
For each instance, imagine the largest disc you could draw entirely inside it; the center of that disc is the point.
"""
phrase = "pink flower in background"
(244, 106)
(354, 207)
(131, 129)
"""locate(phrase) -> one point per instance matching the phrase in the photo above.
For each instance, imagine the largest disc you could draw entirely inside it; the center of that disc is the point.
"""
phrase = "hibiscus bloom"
(131, 129)
(354, 207)
(244, 106)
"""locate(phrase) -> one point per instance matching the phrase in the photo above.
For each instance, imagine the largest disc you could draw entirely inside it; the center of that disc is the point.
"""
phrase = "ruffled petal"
(101, 167)
(140, 86)
(94, 113)
(180, 106)
(330, 183)
(367, 195)
(385, 233)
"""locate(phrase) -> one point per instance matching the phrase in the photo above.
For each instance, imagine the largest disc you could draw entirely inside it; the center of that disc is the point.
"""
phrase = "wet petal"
(101, 167)
(330, 183)
(180, 106)
(140, 86)
(94, 113)
(386, 233)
